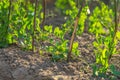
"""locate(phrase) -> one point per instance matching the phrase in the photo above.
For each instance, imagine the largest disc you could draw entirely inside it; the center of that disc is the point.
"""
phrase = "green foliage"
(59, 50)
(72, 13)
(105, 44)
(48, 29)
(58, 47)
(64, 5)
(18, 28)
(4, 24)
(22, 22)
(67, 28)
(59, 33)
(61, 4)
(114, 71)
(75, 50)
(104, 49)
(83, 17)
(102, 17)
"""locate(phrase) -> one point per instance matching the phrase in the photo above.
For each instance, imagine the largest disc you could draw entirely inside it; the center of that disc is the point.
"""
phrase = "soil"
(16, 64)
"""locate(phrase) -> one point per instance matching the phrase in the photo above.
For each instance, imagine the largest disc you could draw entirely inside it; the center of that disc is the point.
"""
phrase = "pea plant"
(4, 22)
(102, 25)
(59, 47)
(18, 18)
(22, 22)
(21, 25)
(78, 15)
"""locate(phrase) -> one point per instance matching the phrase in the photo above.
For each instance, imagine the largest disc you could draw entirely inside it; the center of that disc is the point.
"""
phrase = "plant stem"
(44, 8)
(74, 32)
(77, 2)
(6, 27)
(10, 2)
(34, 26)
(116, 23)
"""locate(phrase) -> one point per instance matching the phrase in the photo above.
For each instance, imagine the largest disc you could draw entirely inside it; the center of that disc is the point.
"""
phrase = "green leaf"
(58, 32)
(113, 70)
(48, 28)
(118, 35)
(104, 53)
(95, 44)
(75, 45)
